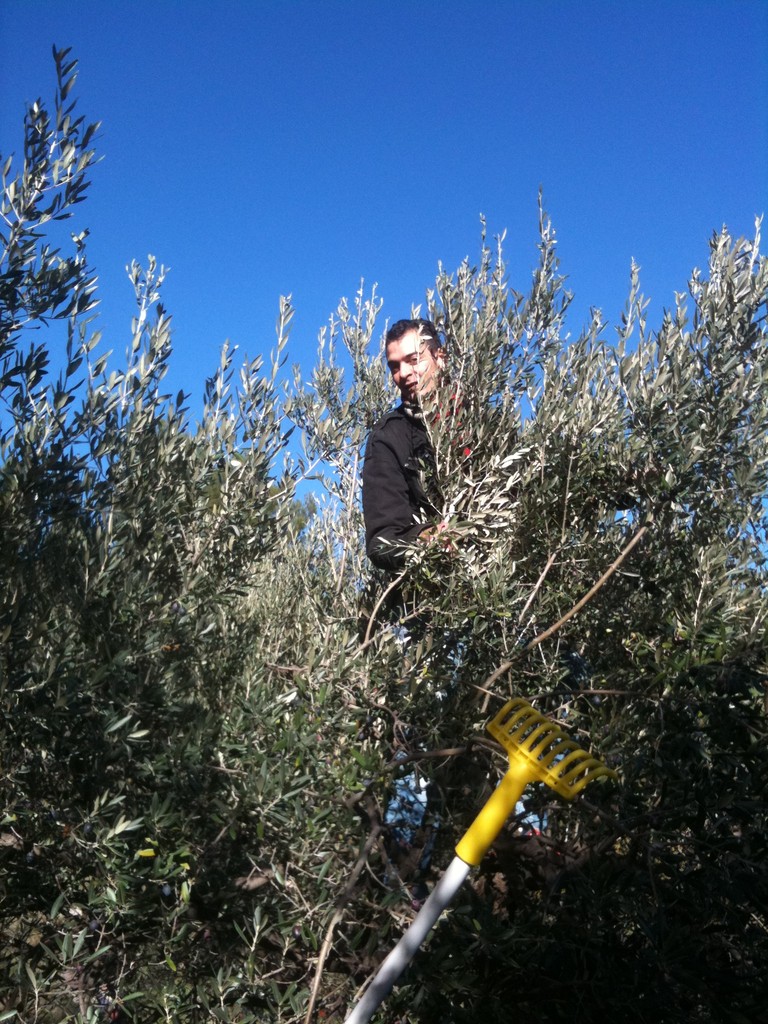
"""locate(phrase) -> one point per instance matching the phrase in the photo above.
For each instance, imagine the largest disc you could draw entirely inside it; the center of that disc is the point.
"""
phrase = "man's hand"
(440, 533)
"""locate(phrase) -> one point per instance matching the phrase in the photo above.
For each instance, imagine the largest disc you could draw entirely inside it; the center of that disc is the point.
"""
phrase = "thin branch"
(426, 755)
(437, 755)
(350, 505)
(539, 581)
(507, 665)
(590, 593)
(338, 913)
(395, 583)
(565, 499)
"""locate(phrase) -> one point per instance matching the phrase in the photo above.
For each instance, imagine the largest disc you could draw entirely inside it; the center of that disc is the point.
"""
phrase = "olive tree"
(207, 698)
(130, 536)
(604, 556)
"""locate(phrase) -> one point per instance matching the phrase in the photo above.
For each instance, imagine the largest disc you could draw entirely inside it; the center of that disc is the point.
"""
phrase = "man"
(397, 508)
(398, 511)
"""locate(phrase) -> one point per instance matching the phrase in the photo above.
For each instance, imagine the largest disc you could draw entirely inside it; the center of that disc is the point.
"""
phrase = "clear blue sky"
(263, 148)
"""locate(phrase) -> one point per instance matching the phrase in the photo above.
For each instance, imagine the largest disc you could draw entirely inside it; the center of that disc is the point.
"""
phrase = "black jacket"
(395, 504)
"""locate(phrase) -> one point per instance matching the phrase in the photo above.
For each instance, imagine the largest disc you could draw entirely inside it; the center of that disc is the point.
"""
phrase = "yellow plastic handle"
(481, 833)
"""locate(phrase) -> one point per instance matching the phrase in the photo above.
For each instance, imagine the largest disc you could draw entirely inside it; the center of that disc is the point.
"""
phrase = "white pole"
(406, 949)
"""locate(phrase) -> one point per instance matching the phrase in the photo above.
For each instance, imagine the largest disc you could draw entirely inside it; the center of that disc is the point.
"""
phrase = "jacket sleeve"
(390, 522)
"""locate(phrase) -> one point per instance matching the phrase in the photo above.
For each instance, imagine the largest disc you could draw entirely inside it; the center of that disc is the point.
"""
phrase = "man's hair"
(424, 327)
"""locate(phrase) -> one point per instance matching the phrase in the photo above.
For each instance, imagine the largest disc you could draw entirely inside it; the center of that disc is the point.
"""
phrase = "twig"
(536, 589)
(504, 667)
(435, 755)
(567, 496)
(395, 583)
(589, 594)
(482, 689)
(350, 506)
(426, 755)
(338, 913)
(541, 637)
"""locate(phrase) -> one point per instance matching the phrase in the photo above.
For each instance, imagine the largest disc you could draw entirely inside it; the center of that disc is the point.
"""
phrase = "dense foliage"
(203, 689)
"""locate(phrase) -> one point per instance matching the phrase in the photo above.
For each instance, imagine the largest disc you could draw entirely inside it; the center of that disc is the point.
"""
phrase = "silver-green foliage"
(605, 503)
(130, 536)
(199, 710)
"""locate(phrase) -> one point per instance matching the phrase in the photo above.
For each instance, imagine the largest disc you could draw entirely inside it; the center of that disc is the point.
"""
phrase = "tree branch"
(376, 830)
(541, 637)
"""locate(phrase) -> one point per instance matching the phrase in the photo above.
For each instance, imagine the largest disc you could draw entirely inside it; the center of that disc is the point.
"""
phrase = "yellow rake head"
(539, 751)
(549, 755)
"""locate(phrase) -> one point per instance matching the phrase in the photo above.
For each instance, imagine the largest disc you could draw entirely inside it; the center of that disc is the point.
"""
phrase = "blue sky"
(264, 148)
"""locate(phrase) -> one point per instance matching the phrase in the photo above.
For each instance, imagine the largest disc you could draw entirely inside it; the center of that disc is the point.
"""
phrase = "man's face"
(413, 365)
